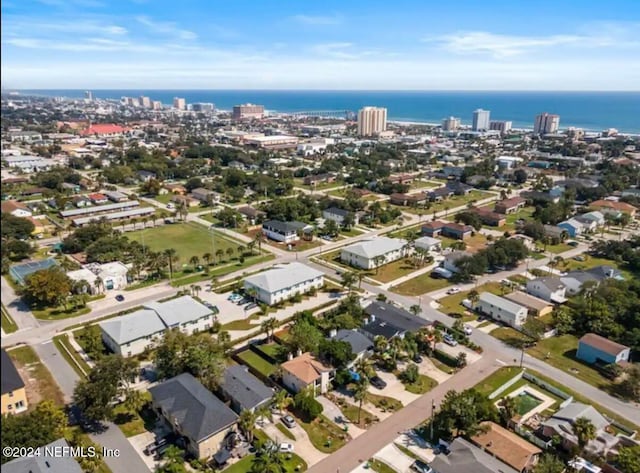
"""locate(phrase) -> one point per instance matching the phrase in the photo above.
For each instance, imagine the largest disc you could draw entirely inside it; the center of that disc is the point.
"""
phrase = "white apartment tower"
(179, 103)
(450, 124)
(145, 101)
(503, 126)
(371, 121)
(156, 105)
(481, 120)
(546, 123)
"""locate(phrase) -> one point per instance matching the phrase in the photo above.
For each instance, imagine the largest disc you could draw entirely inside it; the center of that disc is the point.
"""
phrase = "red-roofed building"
(98, 198)
(613, 206)
(104, 129)
(511, 205)
(452, 230)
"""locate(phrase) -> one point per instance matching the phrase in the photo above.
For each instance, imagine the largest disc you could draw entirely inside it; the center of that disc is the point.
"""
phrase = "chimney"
(365, 321)
(299, 352)
(332, 333)
(373, 318)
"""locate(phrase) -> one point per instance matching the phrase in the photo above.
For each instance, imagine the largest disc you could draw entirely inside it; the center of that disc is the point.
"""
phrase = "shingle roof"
(44, 463)
(395, 316)
(526, 300)
(194, 408)
(11, 379)
(376, 247)
(282, 277)
(467, 458)
(179, 311)
(504, 304)
(603, 344)
(359, 343)
(337, 211)
(244, 388)
(506, 446)
(134, 326)
(574, 411)
(305, 367)
(552, 283)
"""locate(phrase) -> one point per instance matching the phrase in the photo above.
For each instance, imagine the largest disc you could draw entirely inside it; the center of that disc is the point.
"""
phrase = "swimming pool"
(526, 402)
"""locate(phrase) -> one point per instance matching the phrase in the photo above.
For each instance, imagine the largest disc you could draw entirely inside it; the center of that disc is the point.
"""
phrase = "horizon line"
(336, 90)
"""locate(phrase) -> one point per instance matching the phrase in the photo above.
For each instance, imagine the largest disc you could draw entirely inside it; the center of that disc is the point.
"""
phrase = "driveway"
(333, 412)
(417, 445)
(427, 368)
(62, 372)
(392, 456)
(301, 445)
(472, 356)
(394, 389)
(128, 459)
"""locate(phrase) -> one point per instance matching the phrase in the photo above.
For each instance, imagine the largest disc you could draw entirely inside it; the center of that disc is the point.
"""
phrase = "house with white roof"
(131, 334)
(102, 277)
(369, 254)
(550, 289)
(502, 309)
(283, 282)
(428, 243)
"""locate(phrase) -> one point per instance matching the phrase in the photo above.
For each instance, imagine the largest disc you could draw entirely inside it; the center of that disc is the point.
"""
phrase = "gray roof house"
(244, 390)
(358, 342)
(574, 280)
(467, 458)
(389, 321)
(193, 412)
(45, 463)
(132, 333)
(283, 282)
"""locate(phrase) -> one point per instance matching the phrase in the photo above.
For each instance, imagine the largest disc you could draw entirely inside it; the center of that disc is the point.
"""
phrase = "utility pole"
(433, 408)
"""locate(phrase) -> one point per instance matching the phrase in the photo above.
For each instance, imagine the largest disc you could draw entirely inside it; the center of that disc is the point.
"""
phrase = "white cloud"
(168, 28)
(334, 50)
(317, 20)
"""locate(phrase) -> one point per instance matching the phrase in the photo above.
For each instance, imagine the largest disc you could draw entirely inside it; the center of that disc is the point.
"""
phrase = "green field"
(392, 271)
(423, 385)
(524, 214)
(453, 304)
(257, 362)
(420, 285)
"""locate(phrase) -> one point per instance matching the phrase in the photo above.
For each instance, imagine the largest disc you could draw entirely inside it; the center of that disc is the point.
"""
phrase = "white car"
(453, 290)
(467, 330)
(286, 448)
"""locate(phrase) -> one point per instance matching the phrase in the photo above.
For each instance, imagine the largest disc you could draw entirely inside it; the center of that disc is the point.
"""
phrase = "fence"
(506, 385)
(538, 442)
(543, 384)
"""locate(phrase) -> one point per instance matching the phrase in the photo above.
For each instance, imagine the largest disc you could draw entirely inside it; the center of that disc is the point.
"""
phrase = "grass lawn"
(524, 214)
(326, 436)
(474, 243)
(441, 366)
(350, 233)
(380, 467)
(407, 452)
(293, 463)
(73, 358)
(497, 379)
(138, 423)
(8, 325)
(562, 352)
(590, 262)
(559, 248)
(451, 203)
(510, 336)
(384, 403)
(350, 411)
(188, 239)
(394, 270)
(420, 285)
(286, 432)
(57, 313)
(519, 279)
(39, 383)
(423, 385)
(453, 304)
(257, 362)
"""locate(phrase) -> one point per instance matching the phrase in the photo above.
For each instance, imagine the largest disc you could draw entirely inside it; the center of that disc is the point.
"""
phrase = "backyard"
(258, 363)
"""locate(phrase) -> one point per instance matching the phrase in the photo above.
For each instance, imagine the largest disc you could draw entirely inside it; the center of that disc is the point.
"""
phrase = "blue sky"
(241, 44)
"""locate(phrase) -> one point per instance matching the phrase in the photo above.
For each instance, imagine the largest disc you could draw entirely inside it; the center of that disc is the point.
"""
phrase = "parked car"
(286, 448)
(468, 330)
(378, 382)
(421, 467)
(119, 297)
(579, 258)
(289, 421)
(171, 206)
(251, 305)
(152, 447)
(449, 340)
(242, 300)
(208, 305)
(417, 358)
(453, 290)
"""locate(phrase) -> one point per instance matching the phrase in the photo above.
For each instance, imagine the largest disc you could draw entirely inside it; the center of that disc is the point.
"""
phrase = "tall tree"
(47, 287)
(360, 393)
(549, 463)
(247, 424)
(584, 430)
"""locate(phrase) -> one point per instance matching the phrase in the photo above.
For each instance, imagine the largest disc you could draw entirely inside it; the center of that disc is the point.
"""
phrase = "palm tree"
(364, 368)
(247, 424)
(360, 275)
(99, 284)
(264, 412)
(380, 344)
(281, 400)
(378, 261)
(219, 254)
(360, 393)
(415, 309)
(207, 258)
(268, 459)
(584, 430)
(348, 278)
(268, 327)
(474, 297)
(215, 282)
(258, 240)
(172, 257)
(194, 261)
(230, 251)
(195, 289)
(508, 409)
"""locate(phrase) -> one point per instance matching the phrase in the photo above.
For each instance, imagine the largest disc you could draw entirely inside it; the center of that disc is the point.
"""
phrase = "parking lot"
(229, 311)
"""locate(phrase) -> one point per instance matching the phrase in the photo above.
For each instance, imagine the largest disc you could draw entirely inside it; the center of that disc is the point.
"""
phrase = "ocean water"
(594, 111)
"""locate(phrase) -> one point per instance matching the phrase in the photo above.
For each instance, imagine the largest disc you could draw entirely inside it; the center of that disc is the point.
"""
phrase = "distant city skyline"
(412, 45)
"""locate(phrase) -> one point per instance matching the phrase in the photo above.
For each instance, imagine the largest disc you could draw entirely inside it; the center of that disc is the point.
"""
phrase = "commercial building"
(179, 103)
(284, 282)
(29, 164)
(14, 396)
(129, 204)
(192, 411)
(305, 371)
(370, 254)
(371, 121)
(145, 101)
(203, 107)
(125, 214)
(502, 309)
(546, 123)
(450, 124)
(248, 111)
(503, 126)
(593, 348)
(481, 120)
(131, 334)
(272, 141)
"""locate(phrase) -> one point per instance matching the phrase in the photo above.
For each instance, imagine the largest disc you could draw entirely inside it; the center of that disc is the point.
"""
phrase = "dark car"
(119, 297)
(251, 305)
(378, 382)
(421, 467)
(153, 447)
(416, 358)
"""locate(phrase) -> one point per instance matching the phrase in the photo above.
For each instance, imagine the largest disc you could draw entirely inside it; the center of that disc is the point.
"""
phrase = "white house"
(131, 334)
(286, 232)
(283, 282)
(15, 208)
(112, 276)
(502, 309)
(450, 260)
(365, 254)
(550, 289)
(427, 243)
(339, 215)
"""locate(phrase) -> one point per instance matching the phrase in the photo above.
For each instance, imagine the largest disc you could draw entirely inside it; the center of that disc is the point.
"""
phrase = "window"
(19, 404)
(10, 393)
